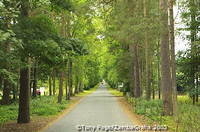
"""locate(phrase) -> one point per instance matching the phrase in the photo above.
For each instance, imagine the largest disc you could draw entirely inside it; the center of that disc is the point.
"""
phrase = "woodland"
(68, 46)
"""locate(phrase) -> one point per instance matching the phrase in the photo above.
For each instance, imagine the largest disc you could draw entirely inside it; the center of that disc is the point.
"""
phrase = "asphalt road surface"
(97, 111)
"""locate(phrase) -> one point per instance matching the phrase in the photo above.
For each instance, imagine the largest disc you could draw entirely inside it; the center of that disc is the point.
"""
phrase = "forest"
(53, 50)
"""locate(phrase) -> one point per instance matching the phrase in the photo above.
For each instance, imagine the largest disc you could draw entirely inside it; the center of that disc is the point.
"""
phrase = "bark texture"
(166, 79)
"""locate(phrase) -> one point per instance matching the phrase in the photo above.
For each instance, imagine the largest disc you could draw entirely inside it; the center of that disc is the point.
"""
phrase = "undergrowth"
(187, 119)
(43, 106)
(40, 106)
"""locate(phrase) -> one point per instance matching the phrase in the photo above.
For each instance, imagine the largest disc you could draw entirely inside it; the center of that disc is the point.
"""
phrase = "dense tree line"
(143, 50)
(43, 41)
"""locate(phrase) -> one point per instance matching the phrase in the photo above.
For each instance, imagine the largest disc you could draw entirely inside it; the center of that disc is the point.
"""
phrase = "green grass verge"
(86, 92)
(41, 106)
(187, 119)
(115, 92)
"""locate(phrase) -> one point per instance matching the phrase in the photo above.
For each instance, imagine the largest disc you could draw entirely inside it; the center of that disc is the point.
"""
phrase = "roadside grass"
(115, 92)
(186, 120)
(43, 106)
(86, 92)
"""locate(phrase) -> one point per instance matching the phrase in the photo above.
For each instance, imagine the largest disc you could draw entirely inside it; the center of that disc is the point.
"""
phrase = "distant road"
(98, 109)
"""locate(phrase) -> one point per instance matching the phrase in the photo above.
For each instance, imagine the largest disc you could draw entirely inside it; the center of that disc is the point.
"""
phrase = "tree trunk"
(1, 86)
(132, 71)
(54, 82)
(67, 89)
(172, 45)
(70, 78)
(147, 65)
(6, 92)
(158, 71)
(1, 83)
(50, 86)
(166, 79)
(76, 85)
(24, 96)
(60, 94)
(197, 89)
(66, 83)
(34, 94)
(81, 86)
(137, 91)
(14, 92)
(6, 85)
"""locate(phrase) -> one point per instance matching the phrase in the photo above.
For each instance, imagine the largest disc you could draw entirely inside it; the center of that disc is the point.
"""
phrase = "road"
(99, 109)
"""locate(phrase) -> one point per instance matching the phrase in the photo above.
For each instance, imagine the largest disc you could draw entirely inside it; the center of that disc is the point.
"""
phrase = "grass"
(187, 119)
(42, 107)
(86, 92)
(115, 92)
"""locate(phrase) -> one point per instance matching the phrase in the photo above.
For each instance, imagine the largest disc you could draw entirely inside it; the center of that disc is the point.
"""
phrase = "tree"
(190, 17)
(24, 96)
(172, 53)
(166, 80)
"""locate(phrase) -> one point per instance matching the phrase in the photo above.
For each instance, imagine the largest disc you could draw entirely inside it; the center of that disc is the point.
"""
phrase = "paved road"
(99, 108)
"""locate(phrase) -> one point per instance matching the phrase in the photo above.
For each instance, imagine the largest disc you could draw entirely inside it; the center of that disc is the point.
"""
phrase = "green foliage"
(8, 113)
(8, 40)
(186, 120)
(10, 76)
(47, 106)
(44, 106)
(152, 109)
(186, 71)
(63, 4)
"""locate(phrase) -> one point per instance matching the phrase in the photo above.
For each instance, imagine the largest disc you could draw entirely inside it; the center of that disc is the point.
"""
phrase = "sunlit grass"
(115, 92)
(184, 99)
(87, 92)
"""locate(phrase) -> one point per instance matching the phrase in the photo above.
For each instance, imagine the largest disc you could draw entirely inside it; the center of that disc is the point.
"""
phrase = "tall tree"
(166, 79)
(147, 57)
(172, 52)
(60, 94)
(24, 96)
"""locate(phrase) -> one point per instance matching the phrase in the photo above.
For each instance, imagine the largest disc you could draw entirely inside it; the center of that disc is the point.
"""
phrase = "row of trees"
(46, 41)
(142, 49)
(188, 61)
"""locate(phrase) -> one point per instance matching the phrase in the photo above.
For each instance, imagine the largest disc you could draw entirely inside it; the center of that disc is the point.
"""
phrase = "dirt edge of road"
(136, 120)
(75, 102)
